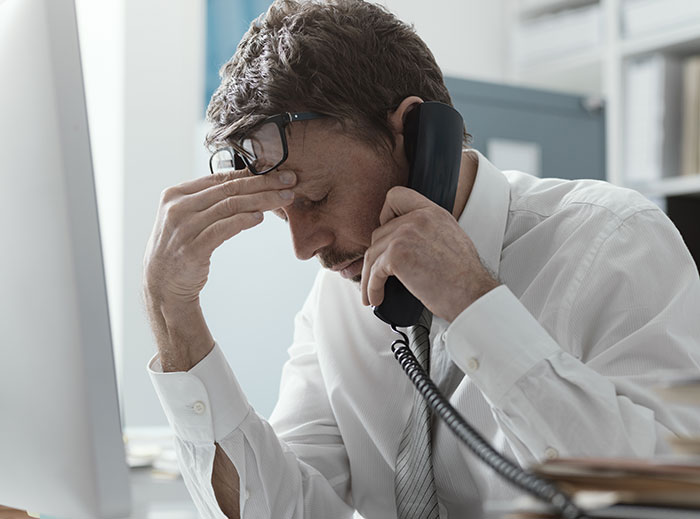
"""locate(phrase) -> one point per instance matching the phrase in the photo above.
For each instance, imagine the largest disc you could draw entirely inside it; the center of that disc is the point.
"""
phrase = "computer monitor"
(61, 448)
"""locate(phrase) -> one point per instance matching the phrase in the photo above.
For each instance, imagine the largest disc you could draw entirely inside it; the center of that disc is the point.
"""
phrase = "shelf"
(530, 8)
(670, 186)
(682, 40)
(579, 73)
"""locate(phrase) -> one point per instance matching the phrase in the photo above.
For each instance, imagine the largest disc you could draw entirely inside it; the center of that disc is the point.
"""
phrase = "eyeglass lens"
(224, 160)
(264, 148)
(262, 151)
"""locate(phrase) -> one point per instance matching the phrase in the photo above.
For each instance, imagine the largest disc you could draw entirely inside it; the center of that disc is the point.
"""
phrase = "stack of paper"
(597, 482)
(641, 17)
(617, 488)
(557, 34)
(538, 511)
(614, 489)
(652, 93)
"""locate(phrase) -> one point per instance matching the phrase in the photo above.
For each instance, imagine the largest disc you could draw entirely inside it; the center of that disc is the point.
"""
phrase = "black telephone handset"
(433, 142)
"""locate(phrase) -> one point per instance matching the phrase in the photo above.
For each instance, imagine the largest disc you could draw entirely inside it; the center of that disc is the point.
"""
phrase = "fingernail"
(287, 194)
(287, 177)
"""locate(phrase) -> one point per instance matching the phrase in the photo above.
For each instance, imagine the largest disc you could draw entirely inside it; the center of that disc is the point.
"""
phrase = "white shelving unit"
(598, 71)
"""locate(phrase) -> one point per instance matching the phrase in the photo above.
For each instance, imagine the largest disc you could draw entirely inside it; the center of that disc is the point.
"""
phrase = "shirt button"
(246, 496)
(472, 364)
(199, 407)
(551, 453)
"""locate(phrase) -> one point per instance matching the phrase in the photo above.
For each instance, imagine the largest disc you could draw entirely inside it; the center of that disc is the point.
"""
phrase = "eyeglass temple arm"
(304, 116)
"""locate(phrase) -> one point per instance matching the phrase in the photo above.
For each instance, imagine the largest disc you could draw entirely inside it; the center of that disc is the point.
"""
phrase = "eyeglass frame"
(281, 121)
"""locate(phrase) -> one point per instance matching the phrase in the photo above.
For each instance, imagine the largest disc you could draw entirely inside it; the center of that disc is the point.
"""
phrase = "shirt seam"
(584, 270)
(621, 217)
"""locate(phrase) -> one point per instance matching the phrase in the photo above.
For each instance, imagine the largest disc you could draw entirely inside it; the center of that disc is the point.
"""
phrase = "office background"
(149, 70)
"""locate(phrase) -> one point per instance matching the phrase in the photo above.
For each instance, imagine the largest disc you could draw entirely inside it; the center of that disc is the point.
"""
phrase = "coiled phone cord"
(527, 481)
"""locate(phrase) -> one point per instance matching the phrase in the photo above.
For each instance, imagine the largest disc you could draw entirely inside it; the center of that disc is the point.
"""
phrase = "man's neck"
(467, 176)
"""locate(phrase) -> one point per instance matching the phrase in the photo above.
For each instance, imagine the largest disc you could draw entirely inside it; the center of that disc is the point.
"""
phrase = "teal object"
(569, 132)
(227, 22)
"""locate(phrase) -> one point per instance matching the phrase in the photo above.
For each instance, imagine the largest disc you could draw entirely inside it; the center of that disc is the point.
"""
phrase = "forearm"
(226, 484)
(181, 332)
(563, 408)
(546, 400)
(183, 340)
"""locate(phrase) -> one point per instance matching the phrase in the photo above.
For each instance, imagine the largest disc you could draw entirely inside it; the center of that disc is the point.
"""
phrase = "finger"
(364, 277)
(198, 184)
(241, 186)
(415, 219)
(379, 273)
(373, 252)
(264, 201)
(401, 200)
(221, 230)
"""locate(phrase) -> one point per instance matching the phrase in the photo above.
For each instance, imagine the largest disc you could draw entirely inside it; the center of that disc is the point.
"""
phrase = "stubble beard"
(332, 257)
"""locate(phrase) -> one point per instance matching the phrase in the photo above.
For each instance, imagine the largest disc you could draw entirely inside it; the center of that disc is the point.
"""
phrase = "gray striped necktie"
(414, 482)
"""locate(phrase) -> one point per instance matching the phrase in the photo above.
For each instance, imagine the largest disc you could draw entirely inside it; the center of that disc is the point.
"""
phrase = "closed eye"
(307, 204)
(303, 204)
(319, 203)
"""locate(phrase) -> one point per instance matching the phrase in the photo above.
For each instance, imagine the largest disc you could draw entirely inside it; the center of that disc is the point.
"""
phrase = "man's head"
(364, 69)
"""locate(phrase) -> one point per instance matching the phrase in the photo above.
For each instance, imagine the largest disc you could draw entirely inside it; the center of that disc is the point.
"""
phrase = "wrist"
(482, 287)
(182, 335)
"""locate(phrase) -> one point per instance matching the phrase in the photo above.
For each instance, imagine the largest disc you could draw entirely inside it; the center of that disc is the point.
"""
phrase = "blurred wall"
(164, 60)
(256, 285)
(466, 36)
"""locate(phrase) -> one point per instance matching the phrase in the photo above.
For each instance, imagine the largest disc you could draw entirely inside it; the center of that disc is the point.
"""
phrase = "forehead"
(314, 154)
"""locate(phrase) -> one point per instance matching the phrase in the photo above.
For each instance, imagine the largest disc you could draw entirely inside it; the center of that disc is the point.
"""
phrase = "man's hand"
(422, 244)
(194, 218)
(12, 513)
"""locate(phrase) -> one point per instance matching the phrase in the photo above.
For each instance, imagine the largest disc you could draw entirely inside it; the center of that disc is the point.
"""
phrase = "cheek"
(368, 206)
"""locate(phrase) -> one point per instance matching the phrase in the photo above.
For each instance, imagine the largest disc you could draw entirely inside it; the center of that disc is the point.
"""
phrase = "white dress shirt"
(599, 301)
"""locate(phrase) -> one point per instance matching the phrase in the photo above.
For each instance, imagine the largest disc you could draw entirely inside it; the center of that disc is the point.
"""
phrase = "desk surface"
(152, 498)
(156, 498)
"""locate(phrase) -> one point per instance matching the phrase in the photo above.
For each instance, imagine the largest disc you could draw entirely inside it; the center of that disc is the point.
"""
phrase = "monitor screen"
(61, 448)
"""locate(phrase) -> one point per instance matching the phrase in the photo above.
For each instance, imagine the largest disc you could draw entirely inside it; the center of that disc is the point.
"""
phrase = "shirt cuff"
(204, 404)
(496, 341)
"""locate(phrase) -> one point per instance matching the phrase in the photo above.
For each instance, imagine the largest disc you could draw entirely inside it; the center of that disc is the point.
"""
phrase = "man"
(555, 305)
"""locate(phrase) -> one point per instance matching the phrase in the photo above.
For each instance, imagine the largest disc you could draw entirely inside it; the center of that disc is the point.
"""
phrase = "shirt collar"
(485, 215)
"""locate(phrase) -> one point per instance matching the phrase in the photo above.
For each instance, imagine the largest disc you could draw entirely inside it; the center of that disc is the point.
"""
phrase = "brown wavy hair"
(349, 59)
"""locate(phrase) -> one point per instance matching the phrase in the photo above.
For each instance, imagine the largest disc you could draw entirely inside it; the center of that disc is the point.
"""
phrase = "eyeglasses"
(263, 150)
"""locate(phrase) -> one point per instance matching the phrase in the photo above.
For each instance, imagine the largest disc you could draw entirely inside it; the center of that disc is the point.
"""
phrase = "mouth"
(349, 269)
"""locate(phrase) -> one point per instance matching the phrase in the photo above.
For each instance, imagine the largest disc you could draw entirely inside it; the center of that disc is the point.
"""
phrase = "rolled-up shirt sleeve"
(584, 387)
(299, 472)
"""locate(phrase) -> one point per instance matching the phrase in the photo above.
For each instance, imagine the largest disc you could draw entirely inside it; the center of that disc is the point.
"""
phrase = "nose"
(308, 235)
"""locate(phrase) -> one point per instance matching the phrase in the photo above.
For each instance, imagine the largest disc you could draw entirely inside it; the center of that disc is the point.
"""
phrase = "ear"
(398, 116)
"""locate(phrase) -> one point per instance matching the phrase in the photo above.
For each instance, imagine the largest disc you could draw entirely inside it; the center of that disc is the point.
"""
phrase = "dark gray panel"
(572, 138)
